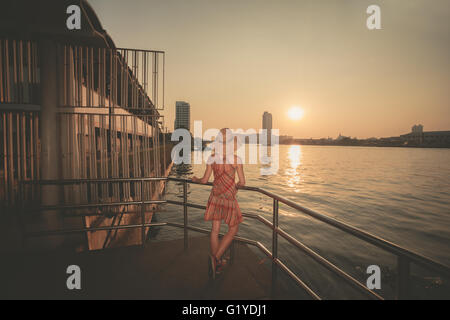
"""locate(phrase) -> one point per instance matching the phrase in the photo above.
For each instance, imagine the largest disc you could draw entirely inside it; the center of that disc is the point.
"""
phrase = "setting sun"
(295, 113)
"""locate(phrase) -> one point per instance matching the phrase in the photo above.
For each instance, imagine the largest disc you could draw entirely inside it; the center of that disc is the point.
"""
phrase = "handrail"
(99, 180)
(405, 256)
(375, 240)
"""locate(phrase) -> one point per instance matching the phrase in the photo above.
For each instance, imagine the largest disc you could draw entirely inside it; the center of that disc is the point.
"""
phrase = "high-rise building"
(267, 124)
(182, 115)
(267, 121)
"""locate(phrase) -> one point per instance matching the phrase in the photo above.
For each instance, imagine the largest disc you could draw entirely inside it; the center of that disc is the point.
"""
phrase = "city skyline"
(318, 56)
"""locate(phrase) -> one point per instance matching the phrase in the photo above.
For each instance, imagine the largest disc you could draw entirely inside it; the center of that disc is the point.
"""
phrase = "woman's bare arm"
(205, 177)
(241, 176)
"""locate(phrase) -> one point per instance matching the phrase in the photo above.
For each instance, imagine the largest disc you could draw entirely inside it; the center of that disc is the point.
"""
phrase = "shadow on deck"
(161, 270)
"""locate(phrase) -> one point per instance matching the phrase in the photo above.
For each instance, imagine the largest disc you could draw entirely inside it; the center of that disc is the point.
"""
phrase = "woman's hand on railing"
(196, 180)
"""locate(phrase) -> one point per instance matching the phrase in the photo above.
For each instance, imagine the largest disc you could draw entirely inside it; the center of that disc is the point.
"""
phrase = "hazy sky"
(232, 60)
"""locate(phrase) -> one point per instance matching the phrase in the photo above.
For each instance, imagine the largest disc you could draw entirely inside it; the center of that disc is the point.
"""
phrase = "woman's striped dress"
(222, 203)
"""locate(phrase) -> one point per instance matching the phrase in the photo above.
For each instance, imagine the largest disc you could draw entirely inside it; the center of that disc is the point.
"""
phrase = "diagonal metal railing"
(404, 256)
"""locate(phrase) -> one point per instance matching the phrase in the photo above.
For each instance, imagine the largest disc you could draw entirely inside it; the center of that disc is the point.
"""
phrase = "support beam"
(49, 134)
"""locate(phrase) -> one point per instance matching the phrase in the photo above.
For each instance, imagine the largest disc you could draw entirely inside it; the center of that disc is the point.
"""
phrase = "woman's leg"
(214, 239)
(226, 241)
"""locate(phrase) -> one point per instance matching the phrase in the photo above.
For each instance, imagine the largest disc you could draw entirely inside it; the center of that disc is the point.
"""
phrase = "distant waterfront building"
(417, 128)
(430, 138)
(341, 137)
(267, 121)
(267, 124)
(182, 115)
(285, 139)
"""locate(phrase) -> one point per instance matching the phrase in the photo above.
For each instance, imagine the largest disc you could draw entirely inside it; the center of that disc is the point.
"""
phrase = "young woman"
(222, 203)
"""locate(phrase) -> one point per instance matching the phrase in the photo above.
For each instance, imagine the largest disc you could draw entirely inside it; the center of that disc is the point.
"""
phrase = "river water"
(399, 194)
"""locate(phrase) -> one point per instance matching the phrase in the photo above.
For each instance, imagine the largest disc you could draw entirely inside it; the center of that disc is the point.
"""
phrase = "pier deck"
(161, 270)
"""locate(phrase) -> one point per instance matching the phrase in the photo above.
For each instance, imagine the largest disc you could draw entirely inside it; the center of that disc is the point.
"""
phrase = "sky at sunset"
(232, 60)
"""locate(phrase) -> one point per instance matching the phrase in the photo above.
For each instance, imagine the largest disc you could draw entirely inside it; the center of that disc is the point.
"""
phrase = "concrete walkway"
(161, 270)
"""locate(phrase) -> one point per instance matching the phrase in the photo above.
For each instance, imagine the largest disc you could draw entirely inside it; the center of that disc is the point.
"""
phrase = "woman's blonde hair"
(229, 138)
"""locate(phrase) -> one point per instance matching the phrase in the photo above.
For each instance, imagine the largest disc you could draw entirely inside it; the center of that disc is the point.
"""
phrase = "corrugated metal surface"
(19, 127)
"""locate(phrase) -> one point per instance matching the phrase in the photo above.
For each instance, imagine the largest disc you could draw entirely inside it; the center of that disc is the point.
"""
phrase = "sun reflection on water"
(292, 173)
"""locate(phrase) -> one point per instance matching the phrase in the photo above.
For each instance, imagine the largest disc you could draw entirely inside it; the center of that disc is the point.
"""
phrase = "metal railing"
(404, 257)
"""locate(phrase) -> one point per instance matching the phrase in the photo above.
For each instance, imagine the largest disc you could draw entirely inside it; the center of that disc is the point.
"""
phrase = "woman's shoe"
(219, 266)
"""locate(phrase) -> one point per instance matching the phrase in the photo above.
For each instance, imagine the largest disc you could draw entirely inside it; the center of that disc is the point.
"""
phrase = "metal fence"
(19, 151)
(109, 111)
(19, 72)
(404, 257)
(131, 79)
(19, 117)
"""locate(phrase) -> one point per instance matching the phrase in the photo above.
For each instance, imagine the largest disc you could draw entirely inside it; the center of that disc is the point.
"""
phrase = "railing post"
(142, 214)
(232, 252)
(274, 247)
(403, 267)
(185, 214)
(23, 199)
